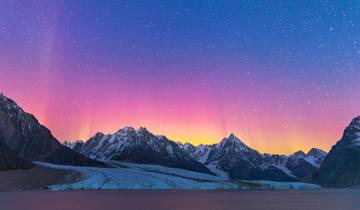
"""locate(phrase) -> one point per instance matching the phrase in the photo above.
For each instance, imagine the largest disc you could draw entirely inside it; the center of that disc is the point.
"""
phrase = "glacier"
(129, 176)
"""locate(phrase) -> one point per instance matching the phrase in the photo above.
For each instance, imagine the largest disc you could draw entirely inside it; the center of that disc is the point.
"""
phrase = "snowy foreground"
(137, 176)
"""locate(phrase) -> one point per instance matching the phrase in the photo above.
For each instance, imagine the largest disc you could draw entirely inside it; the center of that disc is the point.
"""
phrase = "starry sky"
(281, 75)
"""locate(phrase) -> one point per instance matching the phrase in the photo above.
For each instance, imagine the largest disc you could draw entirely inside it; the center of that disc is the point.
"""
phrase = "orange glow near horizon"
(258, 134)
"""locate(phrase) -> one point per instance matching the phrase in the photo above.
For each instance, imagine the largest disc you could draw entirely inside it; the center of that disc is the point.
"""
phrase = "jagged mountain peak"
(316, 152)
(230, 155)
(355, 124)
(144, 132)
(186, 146)
(233, 137)
(126, 130)
(341, 167)
(9, 104)
(4, 98)
(233, 141)
(351, 137)
(298, 154)
(139, 146)
(99, 134)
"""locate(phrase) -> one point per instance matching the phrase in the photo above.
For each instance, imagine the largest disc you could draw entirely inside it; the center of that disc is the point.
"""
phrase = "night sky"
(281, 75)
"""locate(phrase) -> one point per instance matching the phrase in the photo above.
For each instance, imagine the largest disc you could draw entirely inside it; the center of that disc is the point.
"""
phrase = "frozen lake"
(189, 200)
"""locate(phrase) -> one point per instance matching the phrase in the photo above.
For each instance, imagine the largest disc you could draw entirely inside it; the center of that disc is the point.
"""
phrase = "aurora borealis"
(282, 75)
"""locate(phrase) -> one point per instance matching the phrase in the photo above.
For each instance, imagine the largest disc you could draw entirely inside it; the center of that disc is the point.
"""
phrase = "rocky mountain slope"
(242, 162)
(341, 167)
(10, 161)
(23, 135)
(299, 165)
(230, 158)
(138, 146)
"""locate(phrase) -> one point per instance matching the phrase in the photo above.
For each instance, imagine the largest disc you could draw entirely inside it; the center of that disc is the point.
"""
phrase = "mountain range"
(24, 140)
(138, 146)
(240, 161)
(231, 157)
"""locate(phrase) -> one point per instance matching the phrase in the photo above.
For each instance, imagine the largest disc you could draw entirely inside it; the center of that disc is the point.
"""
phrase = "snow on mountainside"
(219, 157)
(299, 165)
(315, 157)
(137, 176)
(138, 146)
(240, 161)
(229, 158)
(200, 153)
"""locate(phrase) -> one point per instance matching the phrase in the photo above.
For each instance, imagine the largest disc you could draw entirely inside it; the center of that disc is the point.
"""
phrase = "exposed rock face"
(242, 162)
(299, 165)
(138, 146)
(25, 136)
(303, 166)
(76, 146)
(341, 167)
(10, 161)
(200, 153)
(231, 156)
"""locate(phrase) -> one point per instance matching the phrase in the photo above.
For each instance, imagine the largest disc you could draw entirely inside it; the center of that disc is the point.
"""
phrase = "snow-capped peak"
(232, 141)
(139, 146)
(315, 157)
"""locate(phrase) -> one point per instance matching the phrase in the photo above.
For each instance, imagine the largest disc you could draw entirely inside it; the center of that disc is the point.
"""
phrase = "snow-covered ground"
(140, 177)
(137, 176)
(169, 171)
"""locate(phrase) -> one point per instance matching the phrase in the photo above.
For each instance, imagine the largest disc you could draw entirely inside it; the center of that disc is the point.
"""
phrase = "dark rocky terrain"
(341, 167)
(231, 155)
(36, 178)
(242, 162)
(11, 161)
(23, 135)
